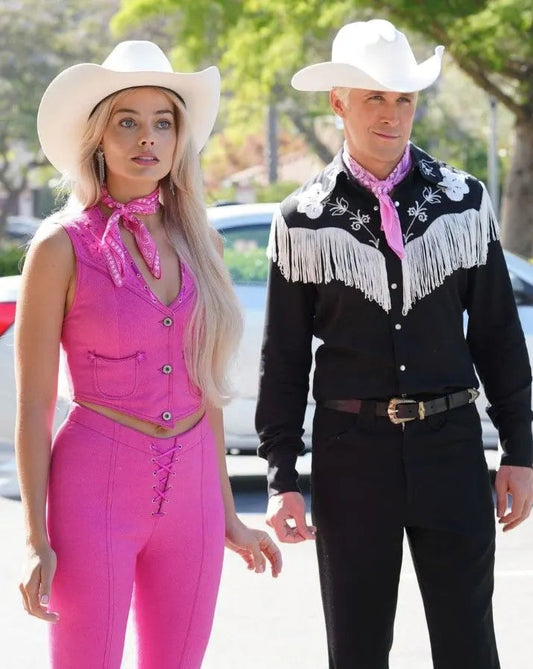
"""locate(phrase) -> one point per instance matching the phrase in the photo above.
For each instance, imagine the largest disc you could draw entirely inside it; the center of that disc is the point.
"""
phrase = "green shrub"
(11, 257)
(248, 266)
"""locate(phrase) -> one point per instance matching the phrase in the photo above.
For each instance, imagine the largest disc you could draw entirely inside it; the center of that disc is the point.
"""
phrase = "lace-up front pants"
(132, 514)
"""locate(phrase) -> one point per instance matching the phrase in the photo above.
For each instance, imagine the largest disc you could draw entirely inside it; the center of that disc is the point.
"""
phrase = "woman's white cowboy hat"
(373, 55)
(71, 97)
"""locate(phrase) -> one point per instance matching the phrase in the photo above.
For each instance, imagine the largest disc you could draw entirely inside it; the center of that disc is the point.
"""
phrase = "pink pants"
(129, 513)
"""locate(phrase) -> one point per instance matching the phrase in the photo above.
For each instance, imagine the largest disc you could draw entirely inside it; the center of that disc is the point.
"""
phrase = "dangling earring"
(101, 165)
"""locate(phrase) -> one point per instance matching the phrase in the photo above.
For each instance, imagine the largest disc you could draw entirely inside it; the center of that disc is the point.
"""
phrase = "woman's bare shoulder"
(51, 246)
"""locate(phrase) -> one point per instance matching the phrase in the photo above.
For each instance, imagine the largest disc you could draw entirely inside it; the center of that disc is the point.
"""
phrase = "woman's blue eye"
(127, 123)
(163, 124)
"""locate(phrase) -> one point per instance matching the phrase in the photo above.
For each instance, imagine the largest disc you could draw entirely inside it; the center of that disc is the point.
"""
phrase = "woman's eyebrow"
(124, 110)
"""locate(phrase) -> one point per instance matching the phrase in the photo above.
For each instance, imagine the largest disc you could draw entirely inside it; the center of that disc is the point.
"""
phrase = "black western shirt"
(388, 327)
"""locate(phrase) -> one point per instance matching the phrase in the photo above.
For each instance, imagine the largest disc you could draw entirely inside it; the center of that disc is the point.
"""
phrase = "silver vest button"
(166, 415)
(167, 322)
(167, 369)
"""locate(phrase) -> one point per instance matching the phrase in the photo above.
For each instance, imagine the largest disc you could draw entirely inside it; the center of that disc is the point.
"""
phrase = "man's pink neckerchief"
(390, 221)
(111, 245)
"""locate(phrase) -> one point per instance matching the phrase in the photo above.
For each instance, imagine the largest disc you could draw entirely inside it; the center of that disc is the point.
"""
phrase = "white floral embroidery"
(340, 207)
(453, 184)
(425, 167)
(357, 219)
(430, 195)
(310, 201)
(419, 211)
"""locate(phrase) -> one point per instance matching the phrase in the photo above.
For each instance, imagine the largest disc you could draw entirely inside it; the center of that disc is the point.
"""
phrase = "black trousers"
(373, 481)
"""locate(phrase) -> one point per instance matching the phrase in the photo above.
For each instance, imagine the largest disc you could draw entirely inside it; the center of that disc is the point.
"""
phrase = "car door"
(245, 246)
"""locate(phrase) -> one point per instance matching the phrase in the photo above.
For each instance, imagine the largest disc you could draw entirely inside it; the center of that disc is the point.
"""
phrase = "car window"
(245, 252)
(523, 291)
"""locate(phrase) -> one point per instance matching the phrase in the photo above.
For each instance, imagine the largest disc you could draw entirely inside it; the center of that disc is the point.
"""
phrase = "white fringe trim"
(451, 242)
(319, 256)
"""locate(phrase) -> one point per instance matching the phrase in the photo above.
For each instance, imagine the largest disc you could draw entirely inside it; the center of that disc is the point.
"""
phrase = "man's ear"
(336, 103)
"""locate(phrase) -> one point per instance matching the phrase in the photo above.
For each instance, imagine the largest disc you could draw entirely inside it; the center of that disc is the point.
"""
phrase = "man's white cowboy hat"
(373, 55)
(71, 97)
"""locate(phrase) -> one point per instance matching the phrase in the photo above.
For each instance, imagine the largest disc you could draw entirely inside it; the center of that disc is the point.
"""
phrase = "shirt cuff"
(517, 448)
(282, 475)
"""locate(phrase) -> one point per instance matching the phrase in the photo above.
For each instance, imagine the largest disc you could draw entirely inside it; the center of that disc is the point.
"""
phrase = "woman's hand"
(254, 546)
(37, 582)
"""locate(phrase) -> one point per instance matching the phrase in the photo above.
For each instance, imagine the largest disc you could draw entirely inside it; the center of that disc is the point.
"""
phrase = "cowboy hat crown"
(70, 98)
(372, 55)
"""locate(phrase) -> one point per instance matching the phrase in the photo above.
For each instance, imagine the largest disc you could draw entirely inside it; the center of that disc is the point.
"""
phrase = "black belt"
(403, 409)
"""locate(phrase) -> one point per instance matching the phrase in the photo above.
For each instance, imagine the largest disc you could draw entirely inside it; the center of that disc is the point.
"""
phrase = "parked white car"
(245, 228)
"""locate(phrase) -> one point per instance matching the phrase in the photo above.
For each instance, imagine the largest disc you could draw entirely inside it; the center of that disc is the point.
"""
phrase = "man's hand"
(517, 482)
(286, 516)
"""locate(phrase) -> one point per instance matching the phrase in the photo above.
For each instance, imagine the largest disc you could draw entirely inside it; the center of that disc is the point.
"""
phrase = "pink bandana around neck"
(111, 244)
(390, 221)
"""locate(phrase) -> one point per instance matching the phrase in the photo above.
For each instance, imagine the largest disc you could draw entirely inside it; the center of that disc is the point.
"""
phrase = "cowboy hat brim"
(327, 75)
(71, 97)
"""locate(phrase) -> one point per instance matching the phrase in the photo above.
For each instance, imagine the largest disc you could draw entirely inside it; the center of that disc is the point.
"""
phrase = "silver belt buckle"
(392, 410)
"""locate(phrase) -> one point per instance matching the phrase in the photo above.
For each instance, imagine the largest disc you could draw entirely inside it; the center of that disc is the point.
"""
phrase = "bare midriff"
(144, 426)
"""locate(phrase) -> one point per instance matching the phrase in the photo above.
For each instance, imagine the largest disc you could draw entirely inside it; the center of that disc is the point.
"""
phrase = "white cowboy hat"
(373, 55)
(71, 97)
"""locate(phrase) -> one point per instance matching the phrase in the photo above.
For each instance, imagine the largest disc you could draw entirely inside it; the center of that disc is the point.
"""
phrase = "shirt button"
(167, 322)
(398, 326)
(394, 286)
(167, 369)
(402, 369)
(166, 415)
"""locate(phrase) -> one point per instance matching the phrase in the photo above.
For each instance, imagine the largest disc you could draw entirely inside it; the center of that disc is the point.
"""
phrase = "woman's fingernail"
(44, 599)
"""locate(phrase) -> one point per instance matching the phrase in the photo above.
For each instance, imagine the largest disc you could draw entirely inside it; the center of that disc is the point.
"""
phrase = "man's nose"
(391, 116)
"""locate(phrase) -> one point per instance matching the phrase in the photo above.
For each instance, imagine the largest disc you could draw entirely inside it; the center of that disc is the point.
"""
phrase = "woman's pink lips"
(147, 159)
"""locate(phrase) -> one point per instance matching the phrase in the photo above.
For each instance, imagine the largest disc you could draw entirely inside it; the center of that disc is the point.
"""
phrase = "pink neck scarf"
(111, 244)
(390, 221)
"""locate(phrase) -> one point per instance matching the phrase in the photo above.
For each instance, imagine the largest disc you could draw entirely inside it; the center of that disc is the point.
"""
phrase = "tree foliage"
(33, 50)
(259, 44)
(39, 39)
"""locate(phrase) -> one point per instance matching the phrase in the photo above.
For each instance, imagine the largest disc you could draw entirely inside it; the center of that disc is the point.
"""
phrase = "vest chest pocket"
(116, 377)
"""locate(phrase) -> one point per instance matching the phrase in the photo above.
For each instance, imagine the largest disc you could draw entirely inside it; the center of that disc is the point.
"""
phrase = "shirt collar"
(428, 167)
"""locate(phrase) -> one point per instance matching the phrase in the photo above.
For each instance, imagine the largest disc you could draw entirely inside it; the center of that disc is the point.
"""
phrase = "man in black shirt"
(379, 257)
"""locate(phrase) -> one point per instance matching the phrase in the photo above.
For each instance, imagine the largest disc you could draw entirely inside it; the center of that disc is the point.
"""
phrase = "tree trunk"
(308, 131)
(517, 208)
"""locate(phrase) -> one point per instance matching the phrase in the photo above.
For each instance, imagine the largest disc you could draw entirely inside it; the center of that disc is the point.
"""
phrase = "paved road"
(261, 623)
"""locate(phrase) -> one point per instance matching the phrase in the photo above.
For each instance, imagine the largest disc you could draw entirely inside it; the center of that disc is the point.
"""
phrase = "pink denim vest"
(124, 347)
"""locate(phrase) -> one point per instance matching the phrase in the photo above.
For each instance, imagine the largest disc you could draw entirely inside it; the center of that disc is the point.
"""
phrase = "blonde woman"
(133, 498)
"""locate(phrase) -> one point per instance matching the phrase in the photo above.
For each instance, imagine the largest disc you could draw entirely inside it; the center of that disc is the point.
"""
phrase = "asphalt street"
(263, 623)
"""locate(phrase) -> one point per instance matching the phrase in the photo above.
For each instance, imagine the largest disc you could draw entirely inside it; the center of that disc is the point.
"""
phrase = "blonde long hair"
(215, 327)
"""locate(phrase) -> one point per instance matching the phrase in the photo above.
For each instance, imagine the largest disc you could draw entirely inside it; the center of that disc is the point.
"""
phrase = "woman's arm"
(48, 273)
(252, 545)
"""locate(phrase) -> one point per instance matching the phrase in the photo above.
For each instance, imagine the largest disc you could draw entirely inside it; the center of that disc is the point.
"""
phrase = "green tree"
(39, 39)
(31, 53)
(259, 44)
